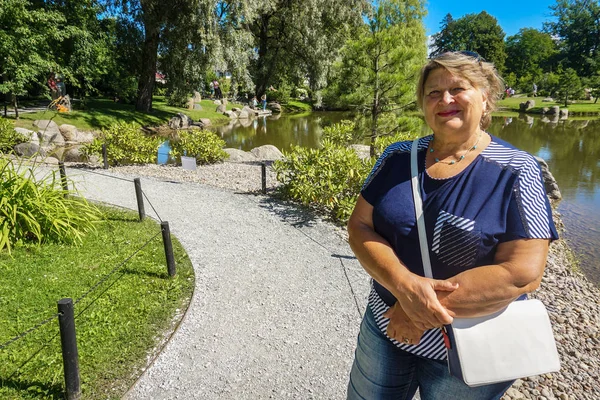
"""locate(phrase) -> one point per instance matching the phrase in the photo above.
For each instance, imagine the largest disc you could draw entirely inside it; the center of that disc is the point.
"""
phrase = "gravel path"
(278, 297)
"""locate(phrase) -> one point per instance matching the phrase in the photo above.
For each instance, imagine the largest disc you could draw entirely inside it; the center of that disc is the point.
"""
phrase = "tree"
(473, 32)
(569, 82)
(379, 69)
(577, 25)
(27, 39)
(530, 52)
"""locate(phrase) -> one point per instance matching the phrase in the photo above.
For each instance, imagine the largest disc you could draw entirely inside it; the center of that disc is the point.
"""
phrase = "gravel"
(279, 295)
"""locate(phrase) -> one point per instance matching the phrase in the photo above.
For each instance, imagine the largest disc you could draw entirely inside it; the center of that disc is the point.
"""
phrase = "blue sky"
(512, 15)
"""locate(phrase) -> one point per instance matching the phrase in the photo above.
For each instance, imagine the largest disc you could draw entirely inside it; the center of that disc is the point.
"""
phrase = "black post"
(63, 176)
(263, 168)
(140, 198)
(68, 342)
(105, 156)
(166, 234)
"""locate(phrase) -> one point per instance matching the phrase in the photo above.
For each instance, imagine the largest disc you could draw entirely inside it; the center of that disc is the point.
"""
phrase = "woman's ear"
(484, 97)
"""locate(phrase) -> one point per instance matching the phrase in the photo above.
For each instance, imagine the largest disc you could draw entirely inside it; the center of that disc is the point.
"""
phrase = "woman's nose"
(446, 97)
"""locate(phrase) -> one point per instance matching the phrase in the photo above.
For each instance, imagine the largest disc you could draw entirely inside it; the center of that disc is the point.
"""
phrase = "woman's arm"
(518, 268)
(416, 294)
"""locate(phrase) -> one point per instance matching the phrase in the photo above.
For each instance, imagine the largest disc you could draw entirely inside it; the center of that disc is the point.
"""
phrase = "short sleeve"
(377, 182)
(529, 215)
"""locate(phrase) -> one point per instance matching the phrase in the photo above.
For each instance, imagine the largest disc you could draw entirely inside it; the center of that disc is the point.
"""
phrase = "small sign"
(188, 163)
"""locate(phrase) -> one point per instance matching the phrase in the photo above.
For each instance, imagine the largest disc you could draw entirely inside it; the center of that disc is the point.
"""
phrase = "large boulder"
(230, 114)
(28, 149)
(275, 107)
(267, 152)
(180, 121)
(69, 132)
(549, 182)
(31, 135)
(85, 137)
(564, 113)
(73, 154)
(237, 155)
(221, 108)
(527, 105)
(243, 114)
(49, 133)
(554, 110)
(205, 121)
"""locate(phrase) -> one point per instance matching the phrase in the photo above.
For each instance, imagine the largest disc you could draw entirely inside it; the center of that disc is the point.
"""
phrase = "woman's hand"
(401, 327)
(419, 301)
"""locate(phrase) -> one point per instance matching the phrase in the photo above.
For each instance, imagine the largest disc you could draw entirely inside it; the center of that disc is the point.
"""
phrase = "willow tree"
(379, 69)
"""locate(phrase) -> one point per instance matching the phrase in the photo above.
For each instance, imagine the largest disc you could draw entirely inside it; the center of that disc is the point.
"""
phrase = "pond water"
(570, 147)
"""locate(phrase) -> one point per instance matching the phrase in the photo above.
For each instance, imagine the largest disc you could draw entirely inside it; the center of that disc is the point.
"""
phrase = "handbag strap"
(414, 169)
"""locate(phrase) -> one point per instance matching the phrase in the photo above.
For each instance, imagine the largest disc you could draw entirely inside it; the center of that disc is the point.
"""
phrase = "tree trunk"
(263, 71)
(14, 98)
(148, 70)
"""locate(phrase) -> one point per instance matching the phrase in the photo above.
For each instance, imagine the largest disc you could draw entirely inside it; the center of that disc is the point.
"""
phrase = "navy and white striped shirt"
(499, 197)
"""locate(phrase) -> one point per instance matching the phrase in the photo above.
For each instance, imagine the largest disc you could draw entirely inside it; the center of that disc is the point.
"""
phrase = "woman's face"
(451, 104)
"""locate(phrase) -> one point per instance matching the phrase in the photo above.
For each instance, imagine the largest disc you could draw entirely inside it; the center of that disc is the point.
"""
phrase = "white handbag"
(512, 343)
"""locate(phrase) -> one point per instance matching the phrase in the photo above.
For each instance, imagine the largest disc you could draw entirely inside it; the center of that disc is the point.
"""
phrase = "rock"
(217, 102)
(230, 114)
(275, 107)
(545, 110)
(197, 107)
(49, 133)
(564, 113)
(527, 105)
(547, 100)
(362, 150)
(243, 115)
(251, 112)
(85, 137)
(221, 109)
(73, 154)
(190, 104)
(554, 110)
(46, 124)
(180, 121)
(237, 155)
(28, 149)
(33, 136)
(197, 125)
(235, 109)
(197, 97)
(267, 152)
(69, 132)
(205, 121)
(514, 394)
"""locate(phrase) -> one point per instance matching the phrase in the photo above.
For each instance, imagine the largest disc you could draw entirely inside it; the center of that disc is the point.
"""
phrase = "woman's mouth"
(449, 113)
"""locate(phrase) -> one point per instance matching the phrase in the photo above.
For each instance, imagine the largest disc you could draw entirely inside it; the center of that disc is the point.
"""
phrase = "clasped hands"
(418, 309)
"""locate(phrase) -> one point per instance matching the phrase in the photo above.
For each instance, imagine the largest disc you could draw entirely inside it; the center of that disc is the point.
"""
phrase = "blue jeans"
(382, 371)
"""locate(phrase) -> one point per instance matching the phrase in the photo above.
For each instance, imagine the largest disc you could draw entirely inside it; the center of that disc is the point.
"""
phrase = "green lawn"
(119, 322)
(100, 113)
(578, 107)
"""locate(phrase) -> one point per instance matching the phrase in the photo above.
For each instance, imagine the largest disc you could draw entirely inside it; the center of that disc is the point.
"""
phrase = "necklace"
(459, 159)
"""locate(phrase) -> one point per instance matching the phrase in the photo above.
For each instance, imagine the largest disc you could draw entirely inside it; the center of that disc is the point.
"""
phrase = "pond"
(570, 147)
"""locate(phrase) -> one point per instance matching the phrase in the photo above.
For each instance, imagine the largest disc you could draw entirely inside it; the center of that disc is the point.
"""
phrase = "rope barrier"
(27, 332)
(34, 354)
(100, 173)
(154, 209)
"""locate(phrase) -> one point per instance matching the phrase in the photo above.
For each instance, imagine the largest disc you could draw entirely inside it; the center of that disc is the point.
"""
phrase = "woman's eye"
(433, 93)
(456, 90)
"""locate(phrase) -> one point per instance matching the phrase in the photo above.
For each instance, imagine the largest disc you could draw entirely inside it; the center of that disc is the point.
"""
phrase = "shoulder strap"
(414, 169)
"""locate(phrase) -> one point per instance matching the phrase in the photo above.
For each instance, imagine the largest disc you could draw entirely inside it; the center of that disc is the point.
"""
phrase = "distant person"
(62, 90)
(218, 93)
(54, 92)
(254, 102)
(211, 86)
(534, 90)
(263, 100)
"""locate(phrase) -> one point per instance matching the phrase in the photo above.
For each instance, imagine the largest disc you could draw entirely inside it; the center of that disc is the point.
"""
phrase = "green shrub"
(328, 178)
(205, 145)
(342, 133)
(125, 144)
(9, 138)
(36, 209)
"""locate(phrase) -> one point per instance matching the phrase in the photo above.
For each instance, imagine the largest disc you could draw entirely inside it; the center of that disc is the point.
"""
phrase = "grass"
(98, 113)
(578, 107)
(296, 106)
(117, 324)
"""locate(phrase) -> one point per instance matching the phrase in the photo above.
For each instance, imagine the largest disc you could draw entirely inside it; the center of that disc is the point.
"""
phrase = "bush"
(205, 145)
(342, 133)
(328, 178)
(9, 138)
(125, 144)
(36, 210)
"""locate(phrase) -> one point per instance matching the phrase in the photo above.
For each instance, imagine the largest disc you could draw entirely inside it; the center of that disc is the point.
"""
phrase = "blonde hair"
(480, 73)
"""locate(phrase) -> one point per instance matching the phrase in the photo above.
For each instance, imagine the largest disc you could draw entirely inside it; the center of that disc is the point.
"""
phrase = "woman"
(488, 222)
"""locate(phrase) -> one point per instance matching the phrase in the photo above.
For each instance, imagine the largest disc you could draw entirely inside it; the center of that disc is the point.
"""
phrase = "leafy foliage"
(474, 32)
(9, 138)
(205, 145)
(125, 144)
(343, 133)
(36, 210)
(530, 52)
(328, 178)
